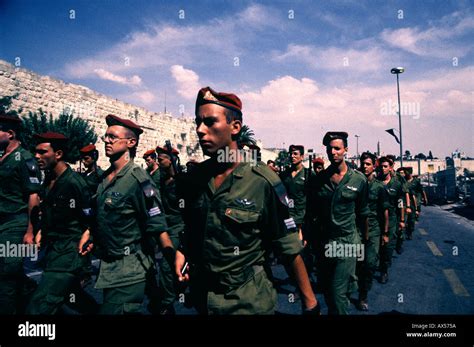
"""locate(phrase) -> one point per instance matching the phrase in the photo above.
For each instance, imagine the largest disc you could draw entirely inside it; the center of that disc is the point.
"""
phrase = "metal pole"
(400, 123)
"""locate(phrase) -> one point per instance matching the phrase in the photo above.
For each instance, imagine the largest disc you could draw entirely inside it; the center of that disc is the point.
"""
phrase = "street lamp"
(357, 149)
(397, 71)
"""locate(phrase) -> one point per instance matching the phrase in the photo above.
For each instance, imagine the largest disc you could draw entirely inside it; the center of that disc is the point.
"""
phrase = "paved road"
(434, 275)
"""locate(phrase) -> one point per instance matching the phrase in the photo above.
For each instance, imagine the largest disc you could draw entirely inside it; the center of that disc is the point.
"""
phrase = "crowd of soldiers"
(217, 223)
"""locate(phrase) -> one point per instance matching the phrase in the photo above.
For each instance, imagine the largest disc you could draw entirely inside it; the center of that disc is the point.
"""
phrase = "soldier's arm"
(284, 234)
(31, 187)
(362, 208)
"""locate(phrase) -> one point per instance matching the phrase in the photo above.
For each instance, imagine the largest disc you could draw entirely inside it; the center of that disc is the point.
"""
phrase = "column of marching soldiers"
(219, 224)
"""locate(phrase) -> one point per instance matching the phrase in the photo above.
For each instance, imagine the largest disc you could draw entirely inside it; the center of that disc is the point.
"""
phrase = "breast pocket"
(117, 210)
(347, 203)
(242, 224)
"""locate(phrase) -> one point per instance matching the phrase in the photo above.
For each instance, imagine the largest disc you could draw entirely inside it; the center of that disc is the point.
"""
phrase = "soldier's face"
(45, 155)
(296, 157)
(402, 173)
(150, 162)
(87, 161)
(336, 151)
(368, 167)
(164, 161)
(116, 141)
(385, 168)
(4, 139)
(213, 130)
(318, 168)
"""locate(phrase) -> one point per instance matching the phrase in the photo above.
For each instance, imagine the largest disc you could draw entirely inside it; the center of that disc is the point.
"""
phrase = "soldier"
(338, 202)
(396, 216)
(129, 214)
(318, 165)
(421, 196)
(272, 165)
(414, 188)
(65, 220)
(171, 204)
(93, 173)
(378, 224)
(19, 188)
(152, 166)
(295, 179)
(235, 213)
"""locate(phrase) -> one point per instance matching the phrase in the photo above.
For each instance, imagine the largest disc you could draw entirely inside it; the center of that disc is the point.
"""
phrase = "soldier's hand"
(417, 213)
(29, 238)
(180, 269)
(385, 239)
(300, 235)
(408, 210)
(38, 239)
(401, 225)
(84, 246)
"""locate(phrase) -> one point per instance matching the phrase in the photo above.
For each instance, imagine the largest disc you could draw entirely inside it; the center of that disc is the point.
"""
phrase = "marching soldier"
(295, 180)
(272, 165)
(318, 165)
(396, 215)
(128, 215)
(414, 188)
(378, 225)
(152, 166)
(65, 220)
(19, 200)
(93, 173)
(338, 202)
(235, 213)
(171, 204)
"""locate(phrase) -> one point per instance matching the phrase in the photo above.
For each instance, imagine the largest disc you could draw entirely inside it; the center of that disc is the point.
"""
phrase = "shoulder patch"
(32, 165)
(275, 182)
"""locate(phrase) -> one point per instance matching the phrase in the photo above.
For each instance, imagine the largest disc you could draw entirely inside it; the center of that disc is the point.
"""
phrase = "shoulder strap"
(274, 181)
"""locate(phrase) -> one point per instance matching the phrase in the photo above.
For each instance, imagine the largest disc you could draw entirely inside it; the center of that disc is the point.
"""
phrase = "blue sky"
(301, 68)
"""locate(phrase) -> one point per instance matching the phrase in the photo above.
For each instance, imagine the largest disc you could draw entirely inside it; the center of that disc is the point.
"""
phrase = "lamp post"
(397, 71)
(357, 149)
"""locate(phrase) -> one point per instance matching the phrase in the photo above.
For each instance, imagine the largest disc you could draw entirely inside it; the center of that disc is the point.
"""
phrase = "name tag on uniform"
(34, 180)
(154, 211)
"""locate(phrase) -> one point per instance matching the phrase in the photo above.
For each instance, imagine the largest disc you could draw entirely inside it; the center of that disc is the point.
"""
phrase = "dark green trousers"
(123, 300)
(386, 251)
(367, 268)
(167, 278)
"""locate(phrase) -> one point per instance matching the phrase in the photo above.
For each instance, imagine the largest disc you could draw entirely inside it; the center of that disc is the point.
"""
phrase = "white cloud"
(335, 58)
(109, 76)
(435, 41)
(146, 97)
(187, 81)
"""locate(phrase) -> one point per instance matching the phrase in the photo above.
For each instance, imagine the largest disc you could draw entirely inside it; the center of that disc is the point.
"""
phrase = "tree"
(246, 136)
(407, 154)
(6, 103)
(430, 155)
(77, 130)
(420, 156)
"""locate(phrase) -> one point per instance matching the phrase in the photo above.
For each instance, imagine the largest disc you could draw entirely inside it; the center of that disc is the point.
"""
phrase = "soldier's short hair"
(368, 155)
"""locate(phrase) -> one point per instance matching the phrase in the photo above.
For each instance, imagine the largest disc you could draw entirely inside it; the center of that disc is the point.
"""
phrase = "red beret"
(209, 96)
(165, 150)
(50, 137)
(87, 149)
(6, 118)
(148, 153)
(318, 161)
(127, 123)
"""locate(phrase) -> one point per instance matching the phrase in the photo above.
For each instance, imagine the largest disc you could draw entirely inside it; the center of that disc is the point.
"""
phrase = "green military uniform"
(129, 214)
(296, 189)
(396, 196)
(415, 190)
(229, 231)
(93, 179)
(378, 202)
(19, 178)
(156, 177)
(65, 215)
(174, 220)
(400, 234)
(337, 209)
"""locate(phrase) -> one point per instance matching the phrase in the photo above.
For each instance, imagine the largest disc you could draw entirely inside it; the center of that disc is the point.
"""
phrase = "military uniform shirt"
(19, 178)
(337, 207)
(396, 195)
(129, 213)
(171, 204)
(296, 189)
(415, 189)
(228, 230)
(378, 203)
(93, 179)
(65, 215)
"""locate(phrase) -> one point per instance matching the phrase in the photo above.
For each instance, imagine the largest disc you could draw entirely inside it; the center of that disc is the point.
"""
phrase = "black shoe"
(399, 250)
(384, 278)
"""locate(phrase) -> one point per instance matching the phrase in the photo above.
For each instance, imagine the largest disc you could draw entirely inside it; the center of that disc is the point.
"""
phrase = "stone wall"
(55, 96)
